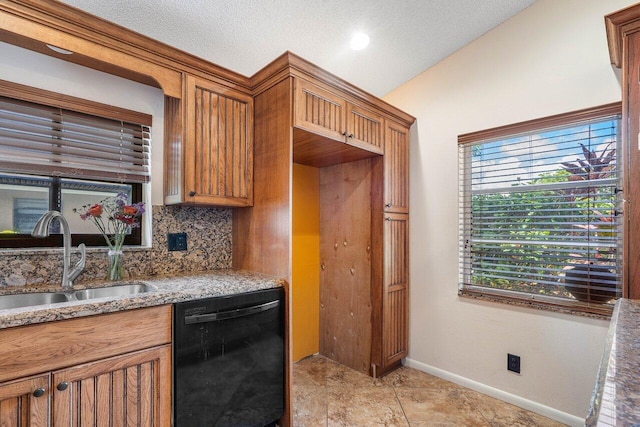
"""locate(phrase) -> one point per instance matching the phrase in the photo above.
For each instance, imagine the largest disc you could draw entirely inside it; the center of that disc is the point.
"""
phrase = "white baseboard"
(521, 402)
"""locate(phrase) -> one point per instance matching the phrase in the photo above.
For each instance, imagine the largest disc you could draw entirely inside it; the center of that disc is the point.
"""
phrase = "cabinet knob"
(344, 133)
(192, 193)
(350, 135)
(388, 205)
(62, 386)
(39, 392)
(388, 218)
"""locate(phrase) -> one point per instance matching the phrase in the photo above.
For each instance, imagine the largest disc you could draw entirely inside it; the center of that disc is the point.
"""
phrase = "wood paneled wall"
(345, 256)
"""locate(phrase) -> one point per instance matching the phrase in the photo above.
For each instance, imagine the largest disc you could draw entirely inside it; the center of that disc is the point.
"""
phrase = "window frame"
(26, 241)
(84, 106)
(529, 299)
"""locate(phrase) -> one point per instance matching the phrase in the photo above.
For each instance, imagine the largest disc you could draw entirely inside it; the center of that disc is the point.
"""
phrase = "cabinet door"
(319, 111)
(219, 145)
(396, 168)
(129, 390)
(25, 402)
(364, 128)
(395, 316)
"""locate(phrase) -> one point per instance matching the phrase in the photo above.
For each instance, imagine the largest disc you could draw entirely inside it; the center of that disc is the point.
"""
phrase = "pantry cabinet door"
(365, 128)
(319, 111)
(396, 168)
(395, 340)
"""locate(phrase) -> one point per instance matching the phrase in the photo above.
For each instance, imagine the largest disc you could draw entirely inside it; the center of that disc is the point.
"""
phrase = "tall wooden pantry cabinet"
(360, 147)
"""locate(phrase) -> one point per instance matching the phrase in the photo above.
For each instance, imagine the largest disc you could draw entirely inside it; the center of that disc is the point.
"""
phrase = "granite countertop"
(170, 289)
(616, 397)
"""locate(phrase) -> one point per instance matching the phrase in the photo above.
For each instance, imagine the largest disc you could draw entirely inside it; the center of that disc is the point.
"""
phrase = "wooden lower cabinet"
(106, 370)
(25, 402)
(133, 389)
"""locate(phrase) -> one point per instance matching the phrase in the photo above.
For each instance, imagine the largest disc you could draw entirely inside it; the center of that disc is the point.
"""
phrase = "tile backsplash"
(208, 233)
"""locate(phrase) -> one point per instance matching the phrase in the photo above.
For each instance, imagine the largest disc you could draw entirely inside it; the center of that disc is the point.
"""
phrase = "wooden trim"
(58, 100)
(545, 122)
(600, 311)
(70, 28)
(618, 25)
(287, 418)
(289, 64)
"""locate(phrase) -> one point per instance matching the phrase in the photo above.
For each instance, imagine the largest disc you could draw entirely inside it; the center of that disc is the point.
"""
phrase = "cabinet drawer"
(33, 349)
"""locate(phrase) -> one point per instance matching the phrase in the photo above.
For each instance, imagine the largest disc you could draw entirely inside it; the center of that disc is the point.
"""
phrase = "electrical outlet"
(177, 241)
(513, 363)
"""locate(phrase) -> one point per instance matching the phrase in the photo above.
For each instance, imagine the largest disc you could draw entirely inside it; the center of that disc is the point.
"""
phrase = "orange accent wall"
(305, 276)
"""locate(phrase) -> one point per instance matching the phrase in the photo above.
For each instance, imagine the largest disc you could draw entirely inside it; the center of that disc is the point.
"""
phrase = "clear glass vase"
(115, 265)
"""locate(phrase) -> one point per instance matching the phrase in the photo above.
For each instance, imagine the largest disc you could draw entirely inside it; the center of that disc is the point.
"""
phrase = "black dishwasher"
(229, 360)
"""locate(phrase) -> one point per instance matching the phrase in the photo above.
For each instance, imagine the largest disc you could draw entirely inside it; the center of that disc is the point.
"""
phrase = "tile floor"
(328, 394)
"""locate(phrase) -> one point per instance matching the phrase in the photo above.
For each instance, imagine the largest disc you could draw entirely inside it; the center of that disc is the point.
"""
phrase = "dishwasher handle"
(231, 314)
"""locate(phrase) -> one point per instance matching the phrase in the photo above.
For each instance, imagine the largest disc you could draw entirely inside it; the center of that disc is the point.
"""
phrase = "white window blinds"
(540, 213)
(44, 140)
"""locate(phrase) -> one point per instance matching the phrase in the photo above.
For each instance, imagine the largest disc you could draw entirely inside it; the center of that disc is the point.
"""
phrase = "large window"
(62, 153)
(540, 211)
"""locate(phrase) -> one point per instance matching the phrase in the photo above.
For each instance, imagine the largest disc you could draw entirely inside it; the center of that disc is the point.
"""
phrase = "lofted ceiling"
(407, 36)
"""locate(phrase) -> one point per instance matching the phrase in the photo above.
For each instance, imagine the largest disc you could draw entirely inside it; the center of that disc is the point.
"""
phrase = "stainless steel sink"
(28, 300)
(113, 291)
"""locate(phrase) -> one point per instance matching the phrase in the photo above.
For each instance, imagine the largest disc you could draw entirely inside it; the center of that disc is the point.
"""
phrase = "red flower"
(130, 210)
(129, 220)
(95, 210)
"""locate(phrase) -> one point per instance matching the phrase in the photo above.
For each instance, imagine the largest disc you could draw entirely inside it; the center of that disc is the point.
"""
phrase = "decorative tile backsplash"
(208, 233)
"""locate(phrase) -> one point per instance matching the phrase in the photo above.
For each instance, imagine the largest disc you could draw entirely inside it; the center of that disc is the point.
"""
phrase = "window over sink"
(541, 212)
(64, 153)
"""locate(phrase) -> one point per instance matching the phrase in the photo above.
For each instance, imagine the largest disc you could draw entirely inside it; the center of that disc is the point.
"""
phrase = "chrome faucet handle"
(79, 266)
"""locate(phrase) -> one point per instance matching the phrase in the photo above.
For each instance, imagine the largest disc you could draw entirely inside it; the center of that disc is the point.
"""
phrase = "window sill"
(538, 302)
(41, 251)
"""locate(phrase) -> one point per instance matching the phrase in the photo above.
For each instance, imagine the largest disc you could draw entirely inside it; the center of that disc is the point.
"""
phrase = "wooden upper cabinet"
(319, 111)
(365, 128)
(322, 112)
(25, 402)
(218, 146)
(396, 168)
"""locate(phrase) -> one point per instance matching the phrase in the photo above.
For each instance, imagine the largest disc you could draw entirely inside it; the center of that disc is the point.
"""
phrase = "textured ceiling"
(407, 36)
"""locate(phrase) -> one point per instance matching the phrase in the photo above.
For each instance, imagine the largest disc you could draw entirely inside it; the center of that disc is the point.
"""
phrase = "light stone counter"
(170, 289)
(616, 397)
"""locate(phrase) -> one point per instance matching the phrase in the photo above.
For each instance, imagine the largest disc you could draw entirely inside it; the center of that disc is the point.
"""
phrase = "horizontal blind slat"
(539, 213)
(38, 139)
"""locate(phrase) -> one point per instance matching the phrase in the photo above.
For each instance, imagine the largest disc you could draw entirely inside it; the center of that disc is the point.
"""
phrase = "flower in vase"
(114, 218)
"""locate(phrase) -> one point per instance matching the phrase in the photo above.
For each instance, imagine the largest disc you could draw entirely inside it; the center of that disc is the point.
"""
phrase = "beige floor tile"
(440, 407)
(409, 377)
(311, 371)
(364, 406)
(342, 376)
(309, 406)
(327, 394)
(500, 413)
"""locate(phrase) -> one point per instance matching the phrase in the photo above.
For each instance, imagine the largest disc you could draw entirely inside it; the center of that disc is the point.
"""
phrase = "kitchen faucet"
(42, 230)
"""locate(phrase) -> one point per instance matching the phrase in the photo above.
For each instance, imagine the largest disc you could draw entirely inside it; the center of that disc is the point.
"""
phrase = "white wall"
(33, 69)
(551, 58)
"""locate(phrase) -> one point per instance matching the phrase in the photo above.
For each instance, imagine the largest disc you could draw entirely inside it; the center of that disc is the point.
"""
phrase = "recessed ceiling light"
(359, 41)
(59, 50)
